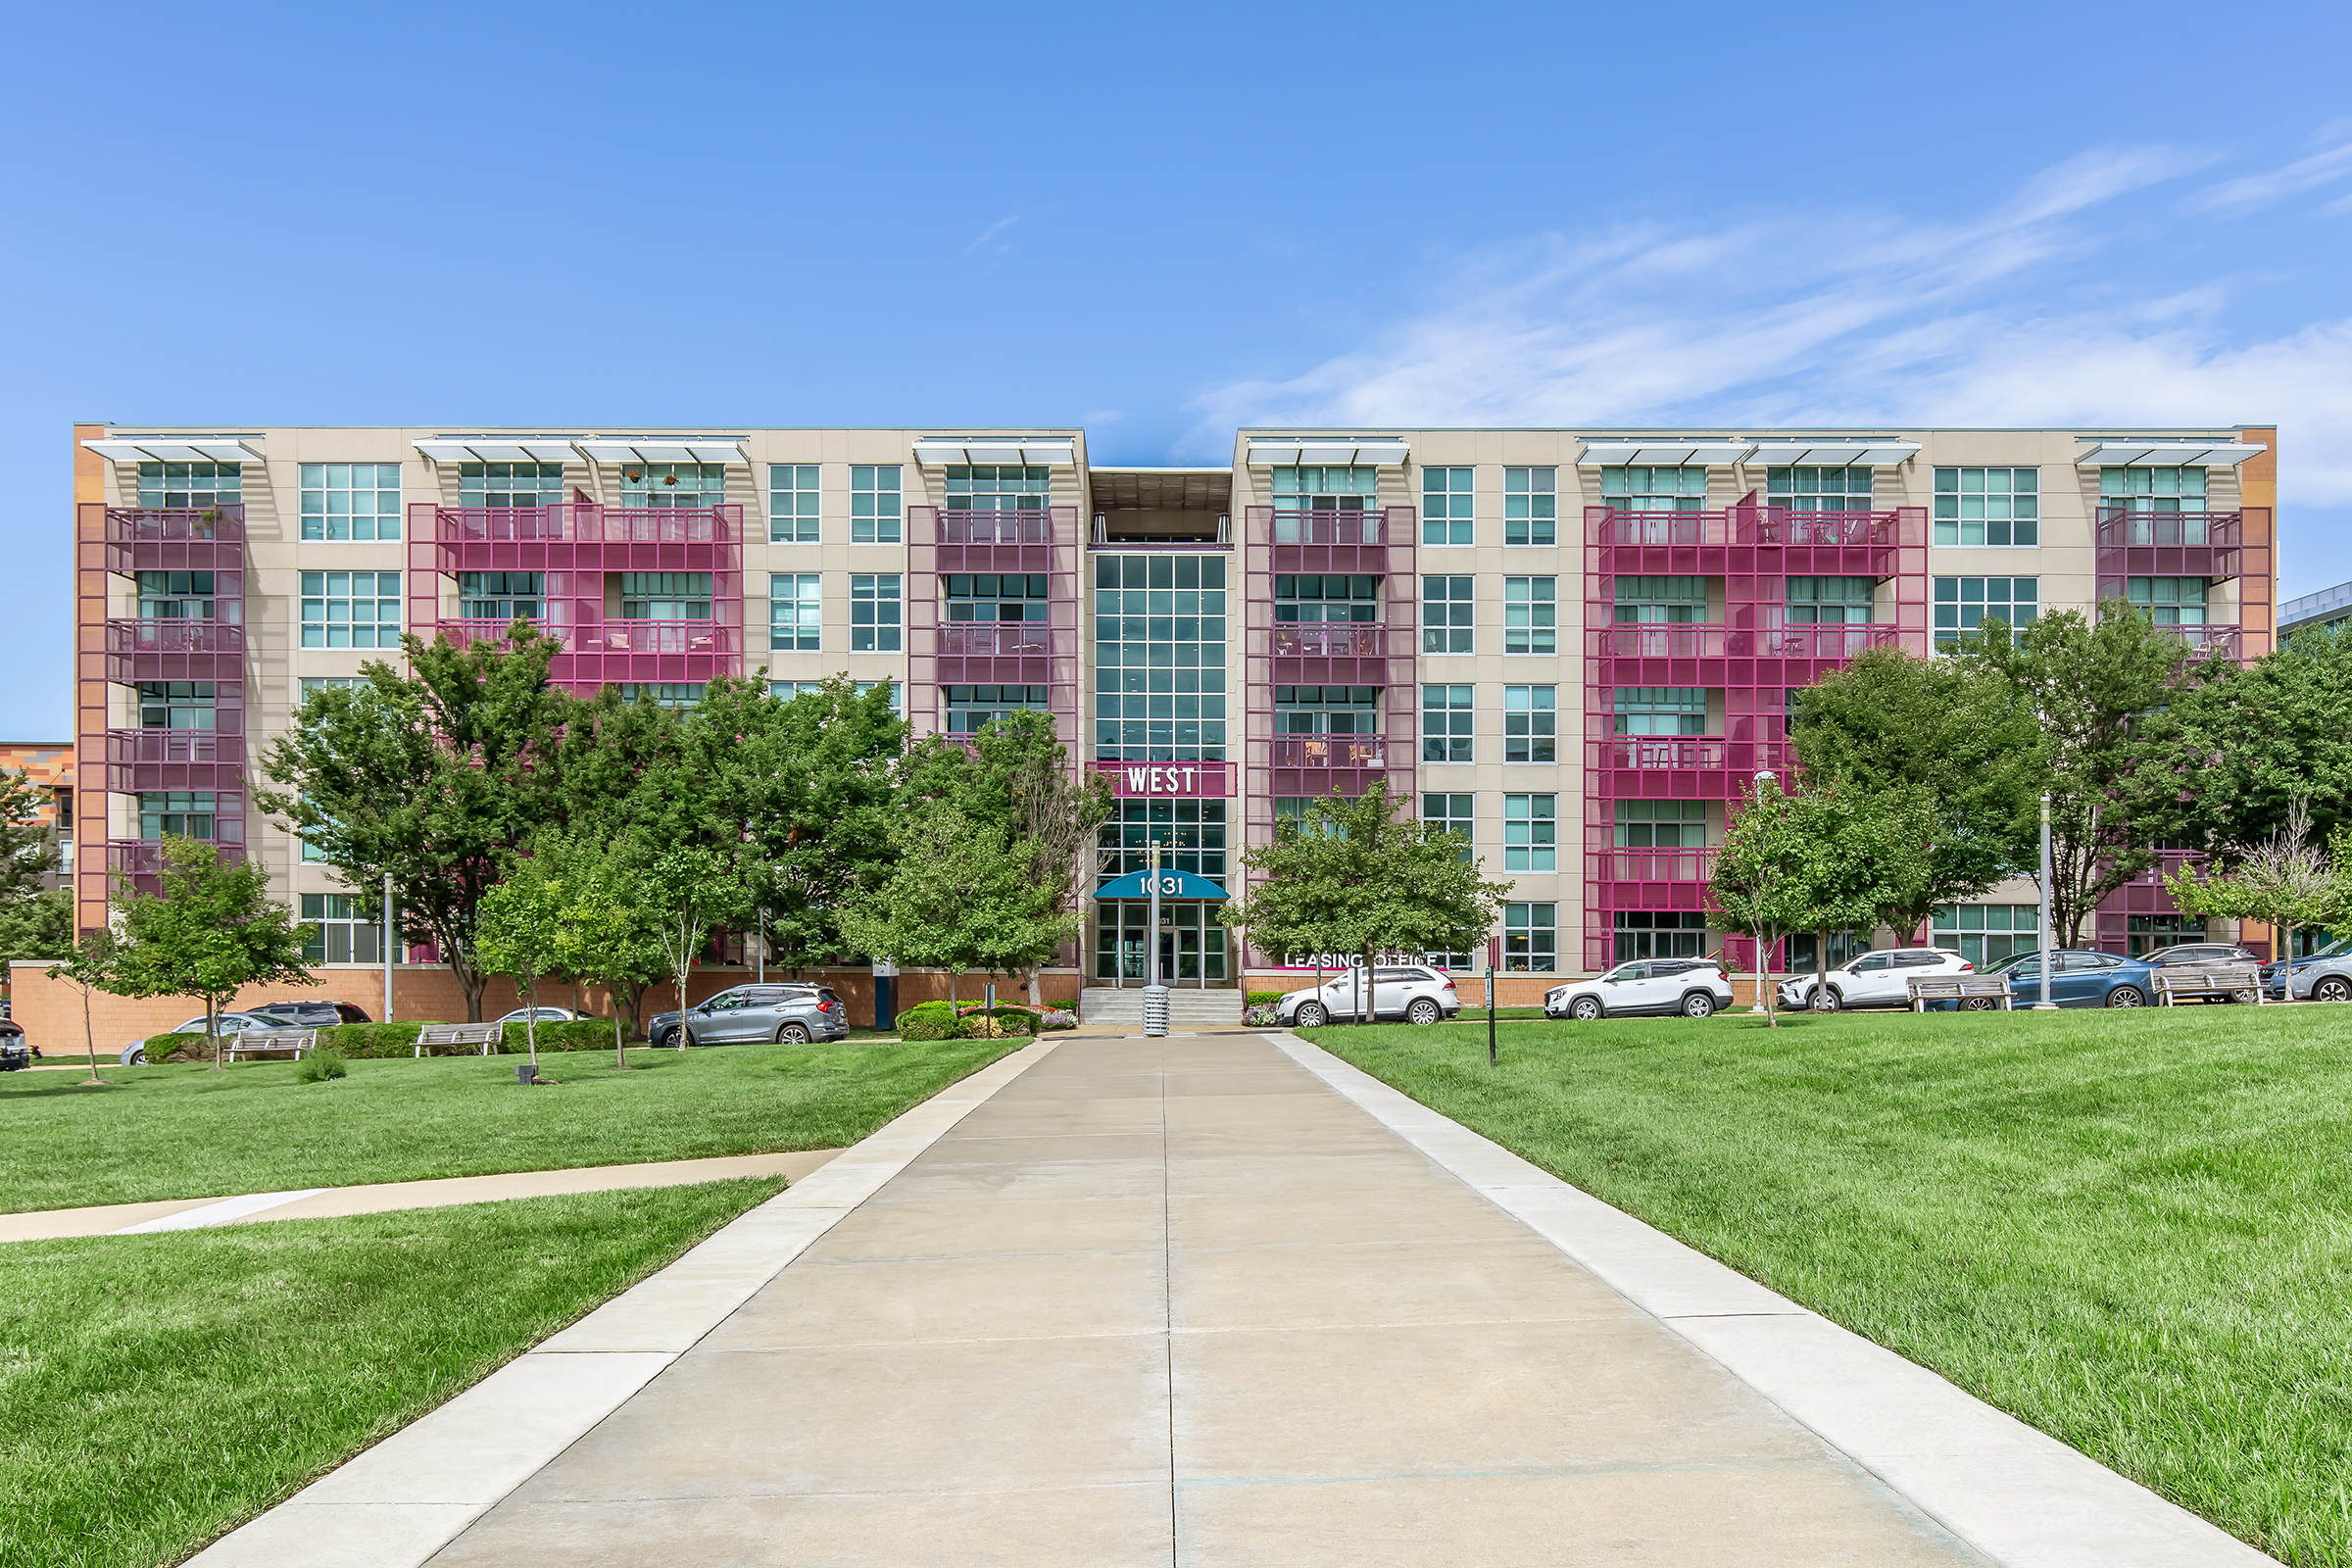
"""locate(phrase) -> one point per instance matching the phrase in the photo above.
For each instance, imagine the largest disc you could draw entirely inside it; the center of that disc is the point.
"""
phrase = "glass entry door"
(1191, 944)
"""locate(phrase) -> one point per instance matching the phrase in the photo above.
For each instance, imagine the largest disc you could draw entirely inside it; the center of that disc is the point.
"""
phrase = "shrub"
(1055, 1018)
(930, 1020)
(1261, 1015)
(1009, 1019)
(1262, 999)
(320, 1065)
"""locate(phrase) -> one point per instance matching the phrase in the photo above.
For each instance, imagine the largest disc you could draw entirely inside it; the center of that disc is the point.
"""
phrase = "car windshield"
(2333, 949)
(2031, 960)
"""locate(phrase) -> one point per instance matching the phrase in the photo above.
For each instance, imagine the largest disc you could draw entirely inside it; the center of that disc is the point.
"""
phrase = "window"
(1844, 945)
(875, 510)
(500, 595)
(351, 609)
(1987, 933)
(192, 485)
(2145, 933)
(898, 694)
(1531, 505)
(661, 693)
(1666, 934)
(184, 814)
(351, 500)
(1530, 723)
(1449, 813)
(1331, 598)
(1531, 833)
(1634, 488)
(997, 487)
(1326, 709)
(1661, 824)
(175, 596)
(1446, 497)
(1818, 489)
(1987, 505)
(1661, 601)
(673, 486)
(2172, 601)
(1661, 711)
(1335, 488)
(1299, 809)
(344, 928)
(1531, 938)
(1445, 608)
(1190, 835)
(2153, 490)
(1962, 603)
(792, 503)
(997, 596)
(1159, 657)
(795, 611)
(664, 595)
(876, 615)
(1531, 614)
(787, 690)
(1445, 733)
(510, 486)
(972, 707)
(176, 704)
(331, 683)
(1828, 601)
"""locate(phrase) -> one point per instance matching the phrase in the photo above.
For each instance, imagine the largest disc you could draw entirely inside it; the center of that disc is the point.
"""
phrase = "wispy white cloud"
(2332, 163)
(991, 232)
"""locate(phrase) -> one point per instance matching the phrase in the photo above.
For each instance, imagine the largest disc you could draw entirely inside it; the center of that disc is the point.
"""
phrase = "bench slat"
(436, 1036)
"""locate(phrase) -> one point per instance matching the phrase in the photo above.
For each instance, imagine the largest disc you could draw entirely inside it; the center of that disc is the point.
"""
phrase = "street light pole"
(2048, 934)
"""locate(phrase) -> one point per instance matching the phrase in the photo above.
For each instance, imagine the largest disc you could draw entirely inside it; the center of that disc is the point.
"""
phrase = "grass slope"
(186, 1131)
(2133, 1230)
(158, 1391)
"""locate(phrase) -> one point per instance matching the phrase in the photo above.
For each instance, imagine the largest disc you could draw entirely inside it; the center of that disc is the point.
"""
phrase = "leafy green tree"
(1354, 877)
(88, 966)
(2287, 881)
(605, 928)
(519, 931)
(39, 925)
(2247, 742)
(33, 924)
(958, 897)
(1769, 881)
(212, 930)
(1022, 777)
(693, 887)
(437, 779)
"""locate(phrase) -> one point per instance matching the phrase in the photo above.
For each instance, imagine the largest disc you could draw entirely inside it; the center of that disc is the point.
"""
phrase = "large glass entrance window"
(1191, 944)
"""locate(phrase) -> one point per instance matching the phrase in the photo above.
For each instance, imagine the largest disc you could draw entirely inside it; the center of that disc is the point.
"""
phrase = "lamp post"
(2048, 935)
(1763, 1005)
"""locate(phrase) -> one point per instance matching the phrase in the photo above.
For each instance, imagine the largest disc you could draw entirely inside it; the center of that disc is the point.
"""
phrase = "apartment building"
(1575, 646)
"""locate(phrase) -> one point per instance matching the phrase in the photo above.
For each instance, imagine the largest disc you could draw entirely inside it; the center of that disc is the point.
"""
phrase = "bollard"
(1156, 1011)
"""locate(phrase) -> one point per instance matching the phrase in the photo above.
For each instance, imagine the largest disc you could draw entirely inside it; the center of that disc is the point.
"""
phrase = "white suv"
(1415, 995)
(1692, 987)
(1873, 980)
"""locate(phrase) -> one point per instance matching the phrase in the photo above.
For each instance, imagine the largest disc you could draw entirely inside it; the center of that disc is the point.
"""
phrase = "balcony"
(969, 639)
(998, 527)
(1332, 541)
(1754, 538)
(1331, 654)
(1653, 865)
(1319, 764)
(1003, 653)
(174, 649)
(2207, 642)
(1031, 541)
(2168, 544)
(1640, 766)
(174, 538)
(574, 536)
(1740, 642)
(173, 759)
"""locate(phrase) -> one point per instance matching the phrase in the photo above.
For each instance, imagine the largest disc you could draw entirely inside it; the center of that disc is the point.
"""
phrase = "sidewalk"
(1217, 1302)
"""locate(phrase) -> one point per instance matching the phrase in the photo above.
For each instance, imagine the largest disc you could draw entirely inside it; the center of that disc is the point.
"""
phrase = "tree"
(2095, 688)
(605, 929)
(33, 924)
(1768, 881)
(958, 897)
(2285, 881)
(88, 966)
(694, 888)
(1959, 731)
(518, 931)
(213, 931)
(39, 925)
(1023, 771)
(2247, 742)
(1352, 877)
(1870, 858)
(435, 779)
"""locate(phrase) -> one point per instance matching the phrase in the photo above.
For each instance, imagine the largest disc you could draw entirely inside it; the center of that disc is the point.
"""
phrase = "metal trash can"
(525, 1073)
(1155, 1009)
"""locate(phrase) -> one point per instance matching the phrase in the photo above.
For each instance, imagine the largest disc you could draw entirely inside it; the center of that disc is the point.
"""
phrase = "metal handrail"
(1329, 639)
(173, 745)
(131, 635)
(221, 524)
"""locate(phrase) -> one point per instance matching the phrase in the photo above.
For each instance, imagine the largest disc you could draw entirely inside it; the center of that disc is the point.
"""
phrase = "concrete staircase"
(1121, 1009)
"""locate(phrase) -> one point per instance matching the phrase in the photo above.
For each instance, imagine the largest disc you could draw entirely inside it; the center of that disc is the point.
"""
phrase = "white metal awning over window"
(1816, 452)
(175, 448)
(1608, 452)
(1344, 450)
(1022, 451)
(498, 448)
(664, 449)
(2166, 452)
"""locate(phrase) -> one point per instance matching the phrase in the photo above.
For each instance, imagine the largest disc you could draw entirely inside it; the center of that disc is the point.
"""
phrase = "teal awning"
(1172, 884)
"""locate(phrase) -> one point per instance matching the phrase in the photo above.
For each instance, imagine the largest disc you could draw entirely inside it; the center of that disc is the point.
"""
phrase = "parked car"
(2322, 976)
(2079, 978)
(1871, 979)
(542, 1016)
(16, 1052)
(1409, 992)
(134, 1052)
(307, 1013)
(796, 1012)
(2202, 953)
(1692, 987)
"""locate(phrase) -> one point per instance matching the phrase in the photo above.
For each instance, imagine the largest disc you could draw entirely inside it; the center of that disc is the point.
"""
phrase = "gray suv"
(789, 1014)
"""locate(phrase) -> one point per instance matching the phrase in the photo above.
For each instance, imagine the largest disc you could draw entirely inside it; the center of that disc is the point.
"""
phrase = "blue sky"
(1161, 225)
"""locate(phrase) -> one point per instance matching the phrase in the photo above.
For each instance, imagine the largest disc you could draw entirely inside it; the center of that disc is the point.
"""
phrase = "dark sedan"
(2079, 978)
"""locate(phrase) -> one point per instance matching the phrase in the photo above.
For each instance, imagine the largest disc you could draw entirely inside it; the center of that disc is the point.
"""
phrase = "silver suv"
(796, 1013)
(1409, 992)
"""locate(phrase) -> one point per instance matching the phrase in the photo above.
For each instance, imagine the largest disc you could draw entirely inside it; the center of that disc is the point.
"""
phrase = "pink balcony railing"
(2213, 641)
(1648, 754)
(1744, 525)
(970, 639)
(129, 636)
(1330, 639)
(1740, 642)
(479, 630)
(996, 527)
(588, 523)
(145, 856)
(2120, 528)
(1367, 527)
(140, 525)
(1657, 865)
(1329, 751)
(653, 637)
(127, 746)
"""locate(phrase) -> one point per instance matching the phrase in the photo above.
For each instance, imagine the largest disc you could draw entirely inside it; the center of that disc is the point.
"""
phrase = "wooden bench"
(2236, 980)
(291, 1043)
(480, 1038)
(1977, 993)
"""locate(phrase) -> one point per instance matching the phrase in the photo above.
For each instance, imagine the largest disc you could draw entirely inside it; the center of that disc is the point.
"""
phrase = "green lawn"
(187, 1131)
(2133, 1230)
(161, 1389)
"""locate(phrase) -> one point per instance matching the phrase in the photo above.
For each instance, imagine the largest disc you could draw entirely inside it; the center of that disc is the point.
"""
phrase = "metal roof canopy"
(1026, 451)
(1162, 489)
(497, 449)
(1608, 452)
(2164, 452)
(1832, 451)
(727, 450)
(175, 448)
(1348, 451)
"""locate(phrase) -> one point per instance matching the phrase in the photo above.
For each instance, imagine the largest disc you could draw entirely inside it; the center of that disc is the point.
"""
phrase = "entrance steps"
(1188, 1007)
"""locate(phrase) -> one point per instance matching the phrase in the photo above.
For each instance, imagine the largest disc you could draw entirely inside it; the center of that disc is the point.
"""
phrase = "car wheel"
(1585, 1008)
(665, 1040)
(2332, 989)
(1698, 1005)
(1830, 1001)
(1979, 1003)
(2244, 996)
(2126, 997)
(1422, 1011)
(793, 1033)
(1310, 1015)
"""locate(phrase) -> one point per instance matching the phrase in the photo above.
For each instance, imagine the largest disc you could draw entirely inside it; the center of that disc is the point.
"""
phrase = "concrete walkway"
(320, 1203)
(1217, 1302)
